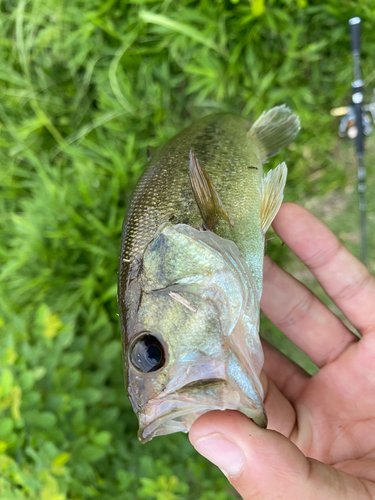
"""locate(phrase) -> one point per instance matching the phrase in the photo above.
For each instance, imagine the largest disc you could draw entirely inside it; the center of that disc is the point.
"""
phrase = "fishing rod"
(356, 123)
(357, 99)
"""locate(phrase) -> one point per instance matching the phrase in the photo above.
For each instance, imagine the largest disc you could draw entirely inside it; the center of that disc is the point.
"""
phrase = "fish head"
(192, 342)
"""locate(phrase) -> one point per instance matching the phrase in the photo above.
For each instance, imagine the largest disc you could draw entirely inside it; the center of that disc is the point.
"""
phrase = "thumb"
(263, 464)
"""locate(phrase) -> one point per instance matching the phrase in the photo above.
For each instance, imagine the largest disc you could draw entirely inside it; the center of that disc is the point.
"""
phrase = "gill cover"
(200, 267)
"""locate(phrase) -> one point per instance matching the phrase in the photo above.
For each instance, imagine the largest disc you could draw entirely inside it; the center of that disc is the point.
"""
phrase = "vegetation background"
(85, 87)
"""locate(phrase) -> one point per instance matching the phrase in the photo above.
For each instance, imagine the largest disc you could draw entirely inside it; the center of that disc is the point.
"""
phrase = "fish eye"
(147, 354)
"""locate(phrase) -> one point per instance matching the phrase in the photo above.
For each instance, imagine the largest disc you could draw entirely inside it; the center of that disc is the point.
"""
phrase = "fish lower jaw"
(177, 421)
(176, 415)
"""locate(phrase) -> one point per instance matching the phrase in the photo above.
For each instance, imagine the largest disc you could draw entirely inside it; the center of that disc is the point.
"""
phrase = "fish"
(190, 273)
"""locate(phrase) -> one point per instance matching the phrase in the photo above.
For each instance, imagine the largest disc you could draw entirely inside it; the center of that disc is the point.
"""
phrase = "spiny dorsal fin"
(272, 194)
(151, 150)
(275, 129)
(206, 196)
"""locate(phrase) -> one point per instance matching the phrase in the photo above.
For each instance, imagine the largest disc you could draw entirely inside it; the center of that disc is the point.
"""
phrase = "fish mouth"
(177, 412)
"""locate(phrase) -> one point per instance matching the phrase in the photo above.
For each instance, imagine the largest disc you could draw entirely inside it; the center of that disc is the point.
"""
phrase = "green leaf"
(102, 438)
(257, 7)
(91, 453)
(6, 427)
(110, 351)
(43, 420)
(179, 27)
(6, 382)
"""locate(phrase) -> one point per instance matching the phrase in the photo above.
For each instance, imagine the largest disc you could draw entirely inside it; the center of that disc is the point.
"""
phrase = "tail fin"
(275, 129)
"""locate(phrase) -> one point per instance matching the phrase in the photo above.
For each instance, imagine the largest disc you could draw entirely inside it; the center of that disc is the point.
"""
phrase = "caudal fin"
(275, 129)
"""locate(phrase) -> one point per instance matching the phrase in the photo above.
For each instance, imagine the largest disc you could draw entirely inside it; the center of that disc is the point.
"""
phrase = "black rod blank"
(357, 99)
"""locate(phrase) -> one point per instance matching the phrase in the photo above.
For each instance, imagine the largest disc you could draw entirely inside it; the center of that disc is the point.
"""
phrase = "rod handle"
(355, 34)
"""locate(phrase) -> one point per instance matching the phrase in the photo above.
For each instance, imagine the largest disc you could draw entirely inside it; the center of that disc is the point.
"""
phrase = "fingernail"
(221, 452)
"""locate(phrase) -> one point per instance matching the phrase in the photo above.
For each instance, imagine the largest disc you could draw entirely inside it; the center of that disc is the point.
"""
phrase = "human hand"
(320, 441)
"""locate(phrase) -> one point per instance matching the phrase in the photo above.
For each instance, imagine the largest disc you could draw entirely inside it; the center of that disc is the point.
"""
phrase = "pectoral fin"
(274, 130)
(272, 194)
(206, 196)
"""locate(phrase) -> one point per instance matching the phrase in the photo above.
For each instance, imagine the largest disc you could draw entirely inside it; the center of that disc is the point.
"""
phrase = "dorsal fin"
(206, 196)
(274, 130)
(151, 151)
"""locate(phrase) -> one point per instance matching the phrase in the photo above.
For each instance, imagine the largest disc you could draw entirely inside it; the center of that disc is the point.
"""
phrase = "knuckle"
(353, 288)
(298, 312)
(323, 255)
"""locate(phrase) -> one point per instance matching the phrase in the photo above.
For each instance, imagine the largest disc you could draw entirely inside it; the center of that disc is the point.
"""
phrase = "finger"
(345, 280)
(264, 465)
(287, 376)
(280, 412)
(302, 317)
(364, 468)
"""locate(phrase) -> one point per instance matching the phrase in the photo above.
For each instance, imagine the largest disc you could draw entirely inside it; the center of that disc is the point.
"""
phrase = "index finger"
(343, 277)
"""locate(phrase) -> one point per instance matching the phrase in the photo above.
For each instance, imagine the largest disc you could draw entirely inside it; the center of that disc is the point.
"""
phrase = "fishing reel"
(348, 127)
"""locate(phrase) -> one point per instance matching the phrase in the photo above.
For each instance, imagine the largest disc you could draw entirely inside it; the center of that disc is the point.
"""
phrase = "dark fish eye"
(147, 354)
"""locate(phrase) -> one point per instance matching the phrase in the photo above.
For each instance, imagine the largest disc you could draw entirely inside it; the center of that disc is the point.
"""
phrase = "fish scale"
(164, 190)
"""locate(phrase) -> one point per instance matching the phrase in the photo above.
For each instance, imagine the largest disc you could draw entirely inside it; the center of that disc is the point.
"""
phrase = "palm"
(342, 427)
(330, 416)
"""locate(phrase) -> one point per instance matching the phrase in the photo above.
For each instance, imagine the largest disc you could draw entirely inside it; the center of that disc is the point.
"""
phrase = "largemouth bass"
(190, 277)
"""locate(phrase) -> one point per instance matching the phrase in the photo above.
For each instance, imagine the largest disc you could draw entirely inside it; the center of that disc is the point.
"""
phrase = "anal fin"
(206, 196)
(272, 195)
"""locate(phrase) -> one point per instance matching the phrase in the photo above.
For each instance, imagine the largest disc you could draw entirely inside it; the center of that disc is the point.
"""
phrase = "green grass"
(85, 87)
